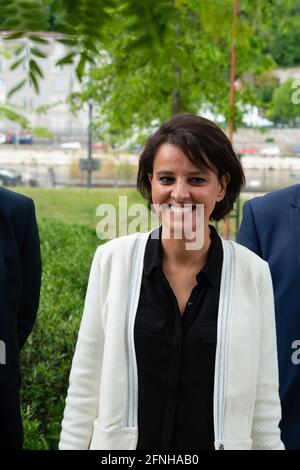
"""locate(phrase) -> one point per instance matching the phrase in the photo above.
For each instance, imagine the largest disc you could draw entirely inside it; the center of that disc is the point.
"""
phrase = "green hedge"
(67, 252)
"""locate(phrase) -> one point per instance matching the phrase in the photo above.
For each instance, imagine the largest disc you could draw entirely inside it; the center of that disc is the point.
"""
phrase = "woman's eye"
(170, 179)
(197, 180)
(165, 179)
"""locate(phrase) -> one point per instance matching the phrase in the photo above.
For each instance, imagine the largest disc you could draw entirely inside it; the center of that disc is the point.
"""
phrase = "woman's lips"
(182, 209)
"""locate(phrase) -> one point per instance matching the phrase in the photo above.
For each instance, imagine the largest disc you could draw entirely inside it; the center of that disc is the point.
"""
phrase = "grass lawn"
(78, 205)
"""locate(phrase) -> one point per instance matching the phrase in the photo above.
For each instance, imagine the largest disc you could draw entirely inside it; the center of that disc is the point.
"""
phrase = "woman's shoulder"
(251, 270)
(120, 246)
(246, 258)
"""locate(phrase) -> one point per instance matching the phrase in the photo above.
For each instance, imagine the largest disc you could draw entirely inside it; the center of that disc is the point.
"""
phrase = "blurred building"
(287, 73)
(58, 83)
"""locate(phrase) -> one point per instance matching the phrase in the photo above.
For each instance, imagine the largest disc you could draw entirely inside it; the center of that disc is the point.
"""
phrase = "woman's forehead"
(170, 156)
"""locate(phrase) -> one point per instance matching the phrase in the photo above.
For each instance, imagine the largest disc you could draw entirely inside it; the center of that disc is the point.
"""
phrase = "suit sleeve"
(267, 409)
(248, 235)
(82, 400)
(31, 277)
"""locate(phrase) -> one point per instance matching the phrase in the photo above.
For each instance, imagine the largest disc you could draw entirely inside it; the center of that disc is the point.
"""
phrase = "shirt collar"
(211, 270)
(153, 253)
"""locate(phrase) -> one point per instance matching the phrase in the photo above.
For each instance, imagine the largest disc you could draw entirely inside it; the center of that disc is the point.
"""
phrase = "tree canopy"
(283, 109)
(282, 34)
(141, 61)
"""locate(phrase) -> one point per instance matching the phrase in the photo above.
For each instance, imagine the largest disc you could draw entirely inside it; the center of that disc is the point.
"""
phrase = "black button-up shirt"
(176, 354)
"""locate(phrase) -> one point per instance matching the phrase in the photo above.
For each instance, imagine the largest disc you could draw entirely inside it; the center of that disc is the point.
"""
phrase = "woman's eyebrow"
(168, 172)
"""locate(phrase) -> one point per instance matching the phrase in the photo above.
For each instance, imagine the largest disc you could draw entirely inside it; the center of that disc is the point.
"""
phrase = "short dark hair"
(203, 143)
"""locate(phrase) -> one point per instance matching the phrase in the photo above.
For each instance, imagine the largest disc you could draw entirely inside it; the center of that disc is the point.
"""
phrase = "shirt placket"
(168, 424)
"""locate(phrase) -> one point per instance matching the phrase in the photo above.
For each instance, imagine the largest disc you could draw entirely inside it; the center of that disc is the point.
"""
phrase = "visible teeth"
(180, 210)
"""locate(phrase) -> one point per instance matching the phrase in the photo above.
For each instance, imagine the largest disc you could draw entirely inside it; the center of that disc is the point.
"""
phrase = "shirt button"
(190, 303)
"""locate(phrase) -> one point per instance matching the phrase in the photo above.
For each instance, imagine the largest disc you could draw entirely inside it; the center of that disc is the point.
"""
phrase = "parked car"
(98, 145)
(247, 150)
(13, 178)
(71, 145)
(19, 137)
(9, 178)
(270, 151)
(28, 180)
(254, 183)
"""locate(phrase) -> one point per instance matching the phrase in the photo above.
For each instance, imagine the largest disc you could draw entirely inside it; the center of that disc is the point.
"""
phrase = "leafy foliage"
(137, 87)
(78, 24)
(263, 88)
(67, 251)
(283, 34)
(282, 108)
(141, 61)
(7, 112)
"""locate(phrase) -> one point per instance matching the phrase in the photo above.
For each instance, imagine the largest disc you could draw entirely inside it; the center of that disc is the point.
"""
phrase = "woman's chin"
(182, 226)
(184, 230)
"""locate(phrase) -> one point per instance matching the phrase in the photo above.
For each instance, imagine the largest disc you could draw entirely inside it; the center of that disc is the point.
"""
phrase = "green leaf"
(10, 114)
(27, 4)
(38, 39)
(12, 36)
(35, 68)
(38, 53)
(81, 66)
(36, 25)
(16, 88)
(20, 49)
(34, 81)
(11, 24)
(68, 41)
(43, 109)
(17, 63)
(42, 133)
(68, 59)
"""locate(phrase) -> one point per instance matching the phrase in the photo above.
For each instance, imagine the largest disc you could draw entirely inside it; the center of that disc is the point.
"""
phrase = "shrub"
(67, 252)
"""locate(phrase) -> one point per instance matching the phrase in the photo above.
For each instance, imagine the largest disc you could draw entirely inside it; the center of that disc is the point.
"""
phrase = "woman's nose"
(180, 192)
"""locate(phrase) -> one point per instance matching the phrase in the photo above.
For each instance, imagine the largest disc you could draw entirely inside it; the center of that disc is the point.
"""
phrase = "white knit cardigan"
(101, 406)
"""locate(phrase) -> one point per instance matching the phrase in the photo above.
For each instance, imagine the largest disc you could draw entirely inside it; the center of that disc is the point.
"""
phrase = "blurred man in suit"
(20, 277)
(271, 228)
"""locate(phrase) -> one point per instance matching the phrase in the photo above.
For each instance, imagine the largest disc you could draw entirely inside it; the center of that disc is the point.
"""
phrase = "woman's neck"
(175, 251)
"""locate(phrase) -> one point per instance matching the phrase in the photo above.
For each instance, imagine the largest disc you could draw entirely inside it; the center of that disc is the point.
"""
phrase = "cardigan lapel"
(221, 362)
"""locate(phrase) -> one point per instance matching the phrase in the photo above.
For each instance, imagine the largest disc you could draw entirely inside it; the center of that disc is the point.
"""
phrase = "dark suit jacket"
(271, 228)
(20, 276)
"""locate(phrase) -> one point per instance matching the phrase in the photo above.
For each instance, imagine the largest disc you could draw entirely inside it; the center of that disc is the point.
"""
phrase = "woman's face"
(176, 181)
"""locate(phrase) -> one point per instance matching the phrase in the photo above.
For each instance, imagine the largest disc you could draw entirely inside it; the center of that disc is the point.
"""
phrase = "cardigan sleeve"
(82, 400)
(267, 410)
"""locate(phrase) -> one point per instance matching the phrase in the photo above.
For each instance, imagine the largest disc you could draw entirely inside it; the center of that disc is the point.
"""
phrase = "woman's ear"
(223, 182)
(150, 176)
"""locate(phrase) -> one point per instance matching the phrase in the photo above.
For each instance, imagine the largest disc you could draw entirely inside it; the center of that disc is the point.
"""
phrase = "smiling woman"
(179, 188)
(206, 148)
(177, 348)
